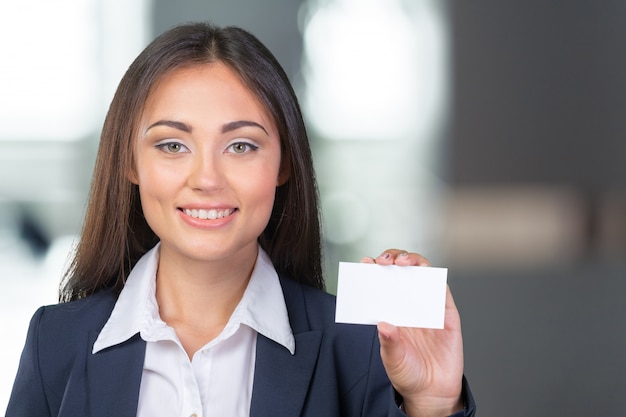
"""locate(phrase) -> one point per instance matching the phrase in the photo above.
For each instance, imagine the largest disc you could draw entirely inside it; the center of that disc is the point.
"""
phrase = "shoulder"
(102, 301)
(307, 304)
(67, 321)
(59, 338)
(310, 308)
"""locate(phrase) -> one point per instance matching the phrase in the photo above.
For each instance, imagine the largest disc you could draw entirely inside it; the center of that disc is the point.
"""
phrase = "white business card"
(407, 296)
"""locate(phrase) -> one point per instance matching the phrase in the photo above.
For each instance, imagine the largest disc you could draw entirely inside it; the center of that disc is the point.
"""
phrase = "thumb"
(390, 349)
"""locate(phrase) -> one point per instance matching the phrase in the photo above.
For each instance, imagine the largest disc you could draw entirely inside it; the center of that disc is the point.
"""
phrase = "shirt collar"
(262, 306)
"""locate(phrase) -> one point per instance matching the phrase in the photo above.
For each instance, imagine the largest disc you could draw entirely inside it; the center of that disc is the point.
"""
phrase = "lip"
(207, 223)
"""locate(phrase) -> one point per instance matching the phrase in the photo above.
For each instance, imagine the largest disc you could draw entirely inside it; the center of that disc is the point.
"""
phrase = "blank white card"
(408, 296)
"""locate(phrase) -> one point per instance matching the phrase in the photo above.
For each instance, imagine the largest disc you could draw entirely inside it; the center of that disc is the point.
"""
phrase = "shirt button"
(193, 415)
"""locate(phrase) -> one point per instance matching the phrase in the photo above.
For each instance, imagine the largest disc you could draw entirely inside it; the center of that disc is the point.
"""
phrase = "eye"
(172, 147)
(242, 147)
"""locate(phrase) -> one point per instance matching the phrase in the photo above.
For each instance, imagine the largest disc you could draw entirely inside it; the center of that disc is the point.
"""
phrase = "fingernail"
(403, 255)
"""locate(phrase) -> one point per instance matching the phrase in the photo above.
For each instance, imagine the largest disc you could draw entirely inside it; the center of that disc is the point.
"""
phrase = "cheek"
(261, 190)
(156, 186)
(156, 177)
(150, 198)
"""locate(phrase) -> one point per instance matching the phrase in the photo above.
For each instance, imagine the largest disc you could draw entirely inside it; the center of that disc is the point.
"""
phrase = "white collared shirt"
(218, 380)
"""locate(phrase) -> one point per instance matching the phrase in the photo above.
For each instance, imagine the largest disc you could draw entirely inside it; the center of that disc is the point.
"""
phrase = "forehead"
(210, 94)
(211, 81)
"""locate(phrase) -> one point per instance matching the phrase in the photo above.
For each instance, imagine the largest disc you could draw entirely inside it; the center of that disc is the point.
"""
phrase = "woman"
(196, 287)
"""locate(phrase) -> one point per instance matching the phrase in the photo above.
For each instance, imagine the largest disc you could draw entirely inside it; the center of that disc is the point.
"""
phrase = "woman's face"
(207, 163)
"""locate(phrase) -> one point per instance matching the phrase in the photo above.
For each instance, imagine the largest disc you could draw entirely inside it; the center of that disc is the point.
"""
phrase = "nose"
(206, 174)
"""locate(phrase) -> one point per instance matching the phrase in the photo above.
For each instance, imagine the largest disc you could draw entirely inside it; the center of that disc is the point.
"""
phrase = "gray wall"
(540, 98)
(540, 92)
(274, 22)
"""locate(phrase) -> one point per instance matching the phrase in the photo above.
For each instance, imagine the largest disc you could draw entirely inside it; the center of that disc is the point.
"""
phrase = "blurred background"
(487, 135)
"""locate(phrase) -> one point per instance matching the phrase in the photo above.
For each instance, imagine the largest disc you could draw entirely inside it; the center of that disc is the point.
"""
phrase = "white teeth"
(211, 214)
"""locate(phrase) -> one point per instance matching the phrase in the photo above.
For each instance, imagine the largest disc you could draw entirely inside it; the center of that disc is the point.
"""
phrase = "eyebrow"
(228, 127)
(171, 123)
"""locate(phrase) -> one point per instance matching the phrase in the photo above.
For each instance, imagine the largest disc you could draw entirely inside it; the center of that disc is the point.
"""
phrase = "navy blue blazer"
(336, 369)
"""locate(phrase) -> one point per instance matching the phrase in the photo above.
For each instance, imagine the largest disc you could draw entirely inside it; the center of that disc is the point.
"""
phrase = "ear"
(131, 174)
(284, 173)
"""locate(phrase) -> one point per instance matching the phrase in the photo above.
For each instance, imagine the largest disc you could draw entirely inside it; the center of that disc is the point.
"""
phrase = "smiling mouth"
(210, 214)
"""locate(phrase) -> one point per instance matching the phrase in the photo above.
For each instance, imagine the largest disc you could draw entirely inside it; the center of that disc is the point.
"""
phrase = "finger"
(411, 259)
(391, 350)
(388, 335)
(368, 260)
(389, 256)
(401, 257)
(384, 258)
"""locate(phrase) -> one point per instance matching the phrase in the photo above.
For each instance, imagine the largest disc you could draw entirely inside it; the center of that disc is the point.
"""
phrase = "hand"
(424, 365)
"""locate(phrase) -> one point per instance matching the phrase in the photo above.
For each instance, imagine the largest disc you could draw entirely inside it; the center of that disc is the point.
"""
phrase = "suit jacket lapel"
(114, 377)
(281, 380)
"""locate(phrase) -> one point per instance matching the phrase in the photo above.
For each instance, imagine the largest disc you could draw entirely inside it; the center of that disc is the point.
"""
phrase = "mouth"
(208, 214)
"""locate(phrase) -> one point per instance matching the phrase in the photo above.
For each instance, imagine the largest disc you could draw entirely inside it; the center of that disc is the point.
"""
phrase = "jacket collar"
(114, 378)
(281, 380)
(136, 309)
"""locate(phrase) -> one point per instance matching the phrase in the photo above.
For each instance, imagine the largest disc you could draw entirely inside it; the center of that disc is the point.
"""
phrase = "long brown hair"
(115, 233)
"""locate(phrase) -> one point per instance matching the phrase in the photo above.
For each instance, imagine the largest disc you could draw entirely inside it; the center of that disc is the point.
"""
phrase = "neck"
(198, 298)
